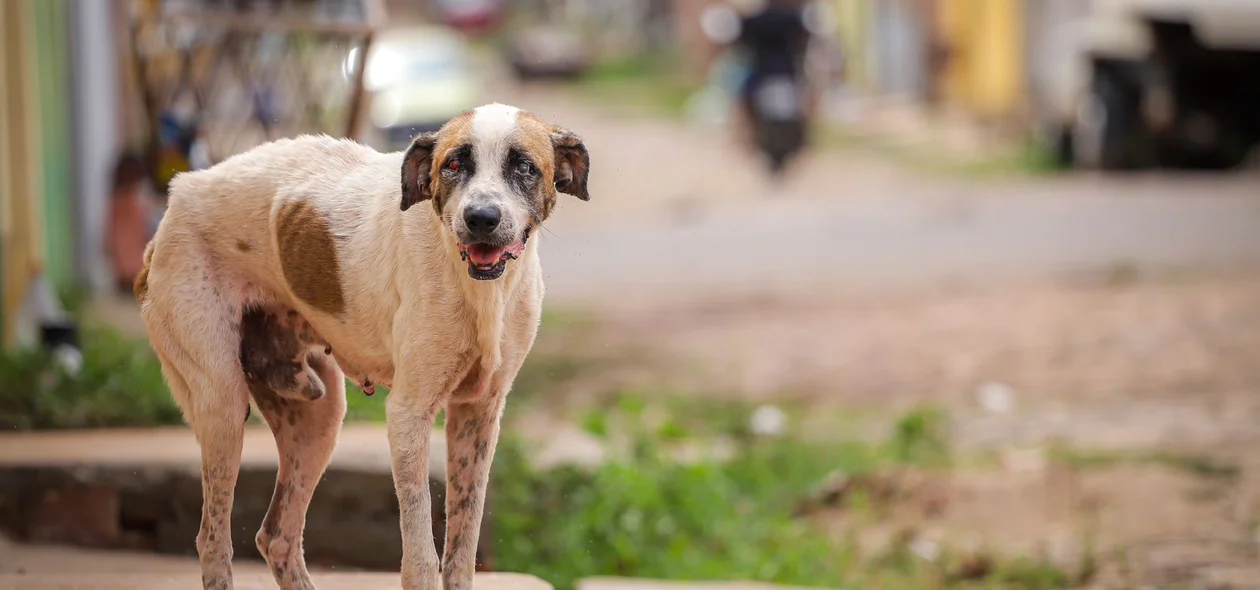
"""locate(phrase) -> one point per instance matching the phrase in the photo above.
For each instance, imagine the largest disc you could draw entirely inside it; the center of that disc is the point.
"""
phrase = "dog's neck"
(486, 303)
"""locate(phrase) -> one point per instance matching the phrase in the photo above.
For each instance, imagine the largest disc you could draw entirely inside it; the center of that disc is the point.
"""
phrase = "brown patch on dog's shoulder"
(141, 285)
(243, 246)
(308, 257)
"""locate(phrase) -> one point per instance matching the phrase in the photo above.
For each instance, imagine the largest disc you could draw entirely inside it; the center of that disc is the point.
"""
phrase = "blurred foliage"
(1201, 466)
(648, 82)
(731, 516)
(119, 383)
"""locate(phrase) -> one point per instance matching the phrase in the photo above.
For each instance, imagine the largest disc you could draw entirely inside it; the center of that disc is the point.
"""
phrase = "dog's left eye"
(525, 168)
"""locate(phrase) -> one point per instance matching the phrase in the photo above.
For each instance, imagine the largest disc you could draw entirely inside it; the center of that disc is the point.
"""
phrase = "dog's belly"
(365, 372)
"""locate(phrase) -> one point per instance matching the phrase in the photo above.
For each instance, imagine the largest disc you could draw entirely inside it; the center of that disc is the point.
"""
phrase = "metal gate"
(218, 77)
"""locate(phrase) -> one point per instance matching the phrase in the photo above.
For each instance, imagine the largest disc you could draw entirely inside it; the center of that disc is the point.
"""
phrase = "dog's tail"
(141, 285)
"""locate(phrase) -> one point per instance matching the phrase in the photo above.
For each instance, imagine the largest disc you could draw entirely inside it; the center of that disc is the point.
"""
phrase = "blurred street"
(993, 327)
(703, 217)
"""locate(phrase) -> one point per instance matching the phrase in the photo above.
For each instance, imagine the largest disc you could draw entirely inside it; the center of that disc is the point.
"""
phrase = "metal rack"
(217, 77)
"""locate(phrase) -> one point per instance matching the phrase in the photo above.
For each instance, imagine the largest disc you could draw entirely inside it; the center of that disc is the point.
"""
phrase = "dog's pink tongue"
(515, 248)
(483, 254)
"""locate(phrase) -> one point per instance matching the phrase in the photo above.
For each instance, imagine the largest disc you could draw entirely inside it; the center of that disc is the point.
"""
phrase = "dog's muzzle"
(486, 261)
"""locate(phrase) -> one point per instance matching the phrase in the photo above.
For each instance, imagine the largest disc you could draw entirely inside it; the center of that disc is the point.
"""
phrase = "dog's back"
(243, 191)
(233, 209)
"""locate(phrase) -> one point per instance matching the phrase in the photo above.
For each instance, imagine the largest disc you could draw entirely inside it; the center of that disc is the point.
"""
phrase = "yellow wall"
(985, 72)
(853, 29)
(20, 180)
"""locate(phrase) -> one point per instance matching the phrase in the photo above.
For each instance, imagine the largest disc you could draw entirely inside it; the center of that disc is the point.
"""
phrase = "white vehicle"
(1171, 83)
(416, 79)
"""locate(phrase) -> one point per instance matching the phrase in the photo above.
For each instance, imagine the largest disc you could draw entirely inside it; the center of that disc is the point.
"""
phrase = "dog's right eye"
(453, 165)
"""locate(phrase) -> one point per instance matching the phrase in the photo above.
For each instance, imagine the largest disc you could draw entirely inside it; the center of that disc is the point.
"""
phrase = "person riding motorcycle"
(774, 39)
(772, 42)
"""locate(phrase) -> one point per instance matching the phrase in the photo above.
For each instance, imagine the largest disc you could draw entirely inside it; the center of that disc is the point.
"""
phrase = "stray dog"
(280, 271)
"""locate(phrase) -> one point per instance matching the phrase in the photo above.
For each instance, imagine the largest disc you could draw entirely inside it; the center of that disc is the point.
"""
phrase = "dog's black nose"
(482, 220)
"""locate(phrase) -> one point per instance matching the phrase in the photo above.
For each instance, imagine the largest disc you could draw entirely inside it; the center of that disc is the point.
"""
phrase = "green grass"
(1196, 465)
(642, 514)
(119, 384)
(646, 83)
(1023, 158)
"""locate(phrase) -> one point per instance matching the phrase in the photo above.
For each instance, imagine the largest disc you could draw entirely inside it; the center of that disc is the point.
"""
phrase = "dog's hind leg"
(195, 333)
(306, 432)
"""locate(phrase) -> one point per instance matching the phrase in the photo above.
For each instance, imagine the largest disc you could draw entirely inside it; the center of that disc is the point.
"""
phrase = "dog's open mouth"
(487, 262)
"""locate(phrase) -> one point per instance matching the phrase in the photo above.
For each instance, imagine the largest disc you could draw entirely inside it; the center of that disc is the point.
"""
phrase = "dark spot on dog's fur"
(273, 354)
(308, 257)
(244, 246)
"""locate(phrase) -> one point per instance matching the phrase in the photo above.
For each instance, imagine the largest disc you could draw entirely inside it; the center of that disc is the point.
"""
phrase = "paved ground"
(59, 568)
(675, 207)
(359, 446)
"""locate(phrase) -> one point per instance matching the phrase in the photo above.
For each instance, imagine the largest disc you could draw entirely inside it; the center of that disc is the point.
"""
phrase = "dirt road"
(676, 207)
(1114, 314)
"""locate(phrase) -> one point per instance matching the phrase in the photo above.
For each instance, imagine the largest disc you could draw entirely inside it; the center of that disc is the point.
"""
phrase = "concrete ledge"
(625, 584)
(244, 582)
(141, 490)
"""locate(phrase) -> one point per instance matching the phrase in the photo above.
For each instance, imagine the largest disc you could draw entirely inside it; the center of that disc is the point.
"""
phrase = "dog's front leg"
(472, 431)
(411, 407)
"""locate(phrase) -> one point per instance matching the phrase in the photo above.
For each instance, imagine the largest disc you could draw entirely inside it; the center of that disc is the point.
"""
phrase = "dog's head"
(492, 174)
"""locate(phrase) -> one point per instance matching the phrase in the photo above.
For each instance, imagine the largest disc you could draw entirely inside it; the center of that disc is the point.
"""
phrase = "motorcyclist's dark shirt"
(775, 38)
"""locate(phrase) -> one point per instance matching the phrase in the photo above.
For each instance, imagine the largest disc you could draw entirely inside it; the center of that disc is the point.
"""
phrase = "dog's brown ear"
(417, 170)
(573, 163)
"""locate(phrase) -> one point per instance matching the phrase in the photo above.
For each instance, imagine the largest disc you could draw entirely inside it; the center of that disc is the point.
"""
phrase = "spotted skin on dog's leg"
(305, 432)
(472, 431)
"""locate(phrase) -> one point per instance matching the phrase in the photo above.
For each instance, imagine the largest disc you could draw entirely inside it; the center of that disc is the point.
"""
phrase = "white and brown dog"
(273, 261)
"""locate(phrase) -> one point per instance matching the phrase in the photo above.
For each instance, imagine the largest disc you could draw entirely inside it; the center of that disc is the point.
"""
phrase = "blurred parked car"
(472, 15)
(547, 51)
(1171, 83)
(417, 79)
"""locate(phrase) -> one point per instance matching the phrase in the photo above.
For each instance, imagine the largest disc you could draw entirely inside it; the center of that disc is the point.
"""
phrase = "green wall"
(52, 55)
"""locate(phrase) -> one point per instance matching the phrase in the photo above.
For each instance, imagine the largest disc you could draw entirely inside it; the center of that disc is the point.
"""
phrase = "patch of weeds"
(1027, 158)
(648, 81)
(1201, 466)
(119, 383)
(1029, 574)
(1030, 157)
(920, 437)
(642, 514)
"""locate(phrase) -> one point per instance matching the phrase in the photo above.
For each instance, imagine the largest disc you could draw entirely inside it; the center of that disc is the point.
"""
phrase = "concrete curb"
(244, 582)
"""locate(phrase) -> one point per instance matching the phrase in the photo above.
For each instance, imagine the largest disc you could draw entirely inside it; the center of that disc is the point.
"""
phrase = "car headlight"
(384, 68)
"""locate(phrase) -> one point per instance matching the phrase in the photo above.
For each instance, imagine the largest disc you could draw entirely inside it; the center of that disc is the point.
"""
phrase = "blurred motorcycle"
(778, 119)
(771, 45)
